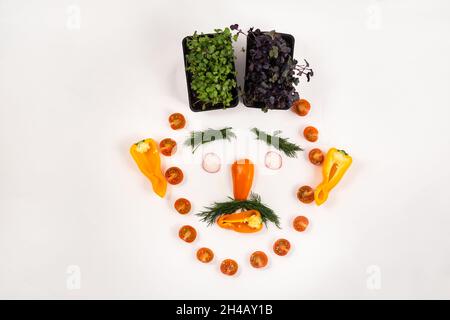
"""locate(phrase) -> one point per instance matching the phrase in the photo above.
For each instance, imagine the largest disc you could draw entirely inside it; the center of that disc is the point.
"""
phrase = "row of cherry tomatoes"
(168, 147)
(258, 259)
(302, 107)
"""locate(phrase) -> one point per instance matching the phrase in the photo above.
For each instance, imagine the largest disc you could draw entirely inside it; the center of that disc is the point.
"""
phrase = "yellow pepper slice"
(146, 155)
(334, 167)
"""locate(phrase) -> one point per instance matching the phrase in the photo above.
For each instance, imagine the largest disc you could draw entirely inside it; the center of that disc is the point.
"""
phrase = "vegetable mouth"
(217, 209)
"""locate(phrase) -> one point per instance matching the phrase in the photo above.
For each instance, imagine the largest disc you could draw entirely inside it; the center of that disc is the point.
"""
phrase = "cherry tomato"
(258, 259)
(301, 107)
(305, 194)
(182, 205)
(311, 134)
(174, 175)
(229, 267)
(167, 147)
(177, 121)
(316, 156)
(205, 255)
(281, 247)
(301, 223)
(187, 233)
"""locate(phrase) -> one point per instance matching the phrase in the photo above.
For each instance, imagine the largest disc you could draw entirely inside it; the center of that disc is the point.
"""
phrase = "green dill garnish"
(198, 138)
(290, 149)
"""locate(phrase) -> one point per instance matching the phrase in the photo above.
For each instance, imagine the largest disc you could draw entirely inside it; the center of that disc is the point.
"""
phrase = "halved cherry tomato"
(167, 147)
(311, 134)
(174, 175)
(187, 233)
(316, 156)
(229, 267)
(305, 194)
(281, 247)
(258, 259)
(301, 107)
(301, 223)
(205, 255)
(177, 121)
(182, 205)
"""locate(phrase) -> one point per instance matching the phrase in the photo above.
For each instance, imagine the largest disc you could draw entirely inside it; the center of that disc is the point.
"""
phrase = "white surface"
(73, 100)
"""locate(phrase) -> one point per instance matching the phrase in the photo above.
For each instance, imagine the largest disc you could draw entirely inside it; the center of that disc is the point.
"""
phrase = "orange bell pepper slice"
(146, 155)
(244, 222)
(242, 172)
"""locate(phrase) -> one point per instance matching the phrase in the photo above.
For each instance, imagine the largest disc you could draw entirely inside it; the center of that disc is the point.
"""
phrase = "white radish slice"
(211, 163)
(273, 160)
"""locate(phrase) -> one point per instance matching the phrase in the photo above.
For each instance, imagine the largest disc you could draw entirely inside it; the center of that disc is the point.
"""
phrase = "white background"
(74, 97)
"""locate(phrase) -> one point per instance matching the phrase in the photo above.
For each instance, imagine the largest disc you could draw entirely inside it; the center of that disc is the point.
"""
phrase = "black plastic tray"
(191, 95)
(290, 40)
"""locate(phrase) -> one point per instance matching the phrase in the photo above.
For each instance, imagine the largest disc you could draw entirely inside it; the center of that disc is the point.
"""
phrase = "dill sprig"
(211, 213)
(290, 149)
(198, 138)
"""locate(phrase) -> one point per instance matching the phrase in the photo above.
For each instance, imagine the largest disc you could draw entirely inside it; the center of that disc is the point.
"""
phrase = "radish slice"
(211, 163)
(273, 160)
